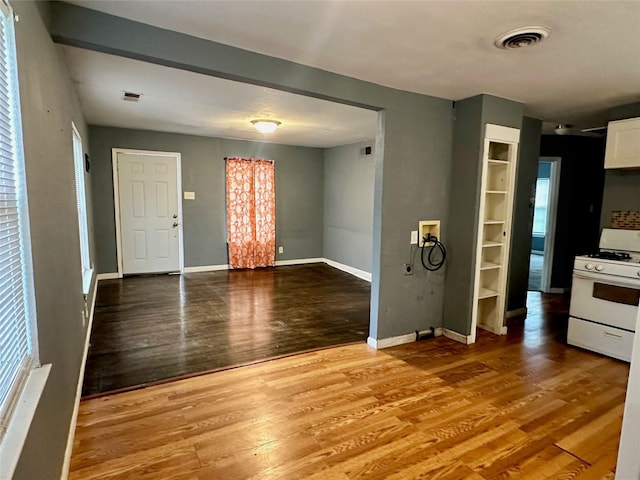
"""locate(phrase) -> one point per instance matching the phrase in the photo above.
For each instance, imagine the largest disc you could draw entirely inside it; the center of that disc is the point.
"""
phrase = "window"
(81, 203)
(18, 354)
(541, 206)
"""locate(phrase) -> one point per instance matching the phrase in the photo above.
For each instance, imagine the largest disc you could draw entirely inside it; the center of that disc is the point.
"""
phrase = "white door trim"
(116, 199)
(552, 213)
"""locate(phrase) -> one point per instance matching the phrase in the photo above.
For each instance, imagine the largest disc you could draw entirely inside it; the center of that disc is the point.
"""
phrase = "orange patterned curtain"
(251, 212)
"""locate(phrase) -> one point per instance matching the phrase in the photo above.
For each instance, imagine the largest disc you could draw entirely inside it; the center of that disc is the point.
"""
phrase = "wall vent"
(131, 97)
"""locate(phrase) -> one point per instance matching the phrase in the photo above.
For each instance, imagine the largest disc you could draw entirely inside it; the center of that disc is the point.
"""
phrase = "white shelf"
(494, 229)
(489, 266)
(486, 293)
(491, 244)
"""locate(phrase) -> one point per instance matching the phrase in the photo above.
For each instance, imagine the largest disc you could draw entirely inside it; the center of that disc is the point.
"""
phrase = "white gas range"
(605, 295)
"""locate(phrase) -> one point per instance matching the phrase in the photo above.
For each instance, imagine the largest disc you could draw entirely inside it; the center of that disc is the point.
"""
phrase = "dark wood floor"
(523, 405)
(152, 328)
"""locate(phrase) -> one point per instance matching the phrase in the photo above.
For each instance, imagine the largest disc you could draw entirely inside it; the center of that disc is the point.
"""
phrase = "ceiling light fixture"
(265, 125)
(563, 129)
(522, 37)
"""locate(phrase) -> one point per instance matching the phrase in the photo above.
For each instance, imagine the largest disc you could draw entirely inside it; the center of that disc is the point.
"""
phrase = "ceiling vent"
(131, 97)
(522, 37)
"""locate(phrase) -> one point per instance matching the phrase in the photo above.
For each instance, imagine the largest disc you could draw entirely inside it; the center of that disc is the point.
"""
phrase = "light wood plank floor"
(519, 406)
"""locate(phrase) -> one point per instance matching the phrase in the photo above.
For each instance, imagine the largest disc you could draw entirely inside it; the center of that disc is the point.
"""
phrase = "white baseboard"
(496, 331)
(205, 268)
(279, 263)
(458, 337)
(517, 312)
(298, 261)
(352, 270)
(107, 276)
(76, 406)
(381, 343)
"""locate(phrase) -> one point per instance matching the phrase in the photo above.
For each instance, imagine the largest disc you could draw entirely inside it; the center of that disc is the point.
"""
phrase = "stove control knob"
(599, 268)
(589, 266)
(638, 273)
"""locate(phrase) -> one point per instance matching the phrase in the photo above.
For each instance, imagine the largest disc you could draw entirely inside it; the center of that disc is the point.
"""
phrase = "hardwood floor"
(523, 405)
(152, 328)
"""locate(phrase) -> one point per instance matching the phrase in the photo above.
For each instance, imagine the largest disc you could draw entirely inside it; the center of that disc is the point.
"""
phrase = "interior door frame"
(116, 199)
(552, 214)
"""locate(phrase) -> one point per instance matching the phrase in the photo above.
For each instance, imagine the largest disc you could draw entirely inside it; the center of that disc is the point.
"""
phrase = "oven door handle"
(604, 278)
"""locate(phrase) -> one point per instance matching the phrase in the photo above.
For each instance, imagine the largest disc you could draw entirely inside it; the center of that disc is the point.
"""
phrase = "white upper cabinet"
(623, 144)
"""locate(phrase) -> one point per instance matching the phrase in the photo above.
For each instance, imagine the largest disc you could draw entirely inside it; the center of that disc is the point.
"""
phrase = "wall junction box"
(426, 227)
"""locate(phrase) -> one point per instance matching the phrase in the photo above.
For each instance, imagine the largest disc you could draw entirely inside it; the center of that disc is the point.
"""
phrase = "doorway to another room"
(544, 224)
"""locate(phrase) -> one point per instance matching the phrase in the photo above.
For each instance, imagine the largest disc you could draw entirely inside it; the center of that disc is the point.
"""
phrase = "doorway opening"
(544, 224)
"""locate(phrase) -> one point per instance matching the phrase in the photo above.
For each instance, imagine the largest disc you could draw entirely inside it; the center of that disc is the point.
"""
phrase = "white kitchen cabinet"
(494, 228)
(623, 144)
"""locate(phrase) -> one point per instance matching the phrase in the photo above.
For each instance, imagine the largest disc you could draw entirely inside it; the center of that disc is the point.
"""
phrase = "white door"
(149, 213)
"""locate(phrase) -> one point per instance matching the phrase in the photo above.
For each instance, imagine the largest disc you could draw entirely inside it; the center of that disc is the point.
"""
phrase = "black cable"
(430, 265)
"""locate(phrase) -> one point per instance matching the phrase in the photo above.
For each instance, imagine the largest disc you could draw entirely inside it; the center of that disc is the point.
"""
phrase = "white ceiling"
(590, 63)
(184, 102)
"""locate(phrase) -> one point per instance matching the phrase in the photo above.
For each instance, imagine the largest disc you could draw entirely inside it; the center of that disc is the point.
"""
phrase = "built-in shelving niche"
(496, 205)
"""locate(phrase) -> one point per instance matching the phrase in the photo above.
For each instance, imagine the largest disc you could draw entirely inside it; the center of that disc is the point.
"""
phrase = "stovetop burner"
(621, 256)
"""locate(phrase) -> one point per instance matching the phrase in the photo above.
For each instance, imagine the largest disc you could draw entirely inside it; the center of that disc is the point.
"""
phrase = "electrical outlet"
(414, 237)
(408, 269)
(280, 249)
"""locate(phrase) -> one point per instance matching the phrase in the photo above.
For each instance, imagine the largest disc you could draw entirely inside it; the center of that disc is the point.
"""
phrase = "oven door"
(605, 299)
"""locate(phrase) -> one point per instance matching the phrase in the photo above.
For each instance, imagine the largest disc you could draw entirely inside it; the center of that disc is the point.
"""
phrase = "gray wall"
(413, 148)
(349, 179)
(299, 192)
(49, 105)
(461, 237)
(472, 115)
(523, 213)
(621, 187)
(579, 200)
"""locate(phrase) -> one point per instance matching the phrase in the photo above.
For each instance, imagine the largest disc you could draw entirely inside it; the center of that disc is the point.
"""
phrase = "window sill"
(20, 421)
(87, 276)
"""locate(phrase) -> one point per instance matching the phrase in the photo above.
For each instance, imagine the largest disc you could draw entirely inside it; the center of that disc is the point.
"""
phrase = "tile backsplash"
(625, 220)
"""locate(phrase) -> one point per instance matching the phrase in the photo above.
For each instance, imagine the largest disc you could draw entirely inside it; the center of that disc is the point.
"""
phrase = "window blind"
(81, 204)
(16, 292)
